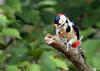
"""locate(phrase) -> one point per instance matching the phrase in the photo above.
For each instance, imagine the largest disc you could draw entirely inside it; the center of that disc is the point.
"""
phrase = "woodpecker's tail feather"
(81, 38)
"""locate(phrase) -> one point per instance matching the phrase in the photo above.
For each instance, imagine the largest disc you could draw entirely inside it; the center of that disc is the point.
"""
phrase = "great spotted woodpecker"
(67, 31)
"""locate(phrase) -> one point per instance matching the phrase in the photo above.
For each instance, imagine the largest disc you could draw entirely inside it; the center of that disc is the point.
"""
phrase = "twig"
(73, 54)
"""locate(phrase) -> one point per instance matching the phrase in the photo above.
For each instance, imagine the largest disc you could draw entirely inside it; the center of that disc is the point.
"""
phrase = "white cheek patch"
(62, 19)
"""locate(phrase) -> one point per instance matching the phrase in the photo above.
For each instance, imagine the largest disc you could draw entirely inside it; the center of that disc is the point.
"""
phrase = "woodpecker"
(67, 31)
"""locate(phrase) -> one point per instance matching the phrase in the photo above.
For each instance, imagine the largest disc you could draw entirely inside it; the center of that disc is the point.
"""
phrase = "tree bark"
(73, 54)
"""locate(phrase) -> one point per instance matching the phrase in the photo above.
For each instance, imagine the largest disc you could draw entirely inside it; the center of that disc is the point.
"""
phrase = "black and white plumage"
(67, 31)
(61, 21)
(75, 27)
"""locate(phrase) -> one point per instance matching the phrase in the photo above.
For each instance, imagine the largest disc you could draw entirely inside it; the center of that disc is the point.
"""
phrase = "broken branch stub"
(73, 54)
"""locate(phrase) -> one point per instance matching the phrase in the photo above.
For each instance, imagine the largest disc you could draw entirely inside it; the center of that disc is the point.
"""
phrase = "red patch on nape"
(60, 14)
(76, 44)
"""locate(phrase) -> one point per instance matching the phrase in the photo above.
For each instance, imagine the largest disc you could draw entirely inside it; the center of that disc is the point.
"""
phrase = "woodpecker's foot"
(66, 49)
(68, 46)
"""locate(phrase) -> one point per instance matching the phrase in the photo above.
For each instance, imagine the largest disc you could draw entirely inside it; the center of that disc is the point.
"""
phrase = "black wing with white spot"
(75, 27)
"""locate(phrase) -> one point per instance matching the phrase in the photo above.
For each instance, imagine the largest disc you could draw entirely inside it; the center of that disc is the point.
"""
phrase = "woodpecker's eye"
(66, 21)
(59, 23)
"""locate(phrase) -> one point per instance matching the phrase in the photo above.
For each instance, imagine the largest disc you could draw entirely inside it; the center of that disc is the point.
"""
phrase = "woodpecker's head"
(60, 20)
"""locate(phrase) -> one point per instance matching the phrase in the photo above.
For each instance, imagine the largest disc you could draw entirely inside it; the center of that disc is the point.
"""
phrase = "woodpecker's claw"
(67, 48)
(68, 45)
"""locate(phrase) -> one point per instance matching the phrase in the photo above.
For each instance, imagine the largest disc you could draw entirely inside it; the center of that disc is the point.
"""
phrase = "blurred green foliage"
(24, 24)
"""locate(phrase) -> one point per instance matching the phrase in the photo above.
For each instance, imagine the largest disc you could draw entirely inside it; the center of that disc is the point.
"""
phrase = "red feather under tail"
(76, 44)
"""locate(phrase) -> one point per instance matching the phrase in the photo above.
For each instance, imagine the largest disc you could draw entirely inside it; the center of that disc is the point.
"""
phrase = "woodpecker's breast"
(68, 35)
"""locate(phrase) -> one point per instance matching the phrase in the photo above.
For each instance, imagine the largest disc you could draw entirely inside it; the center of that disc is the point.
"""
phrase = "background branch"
(73, 54)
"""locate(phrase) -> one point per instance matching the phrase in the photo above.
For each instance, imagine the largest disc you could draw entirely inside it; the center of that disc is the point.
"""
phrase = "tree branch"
(73, 54)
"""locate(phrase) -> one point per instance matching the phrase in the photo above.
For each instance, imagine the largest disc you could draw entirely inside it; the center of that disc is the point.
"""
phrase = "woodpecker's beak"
(58, 26)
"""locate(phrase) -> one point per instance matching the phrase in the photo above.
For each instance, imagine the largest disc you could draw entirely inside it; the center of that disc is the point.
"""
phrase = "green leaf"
(3, 20)
(34, 67)
(2, 40)
(87, 32)
(3, 56)
(98, 24)
(11, 7)
(49, 17)
(11, 32)
(12, 68)
(18, 54)
(47, 48)
(38, 36)
(60, 63)
(24, 63)
(1, 52)
(30, 16)
(47, 2)
(76, 3)
(89, 21)
(95, 60)
(50, 30)
(51, 58)
(14, 5)
(90, 46)
(37, 52)
(49, 9)
(46, 63)
(92, 50)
